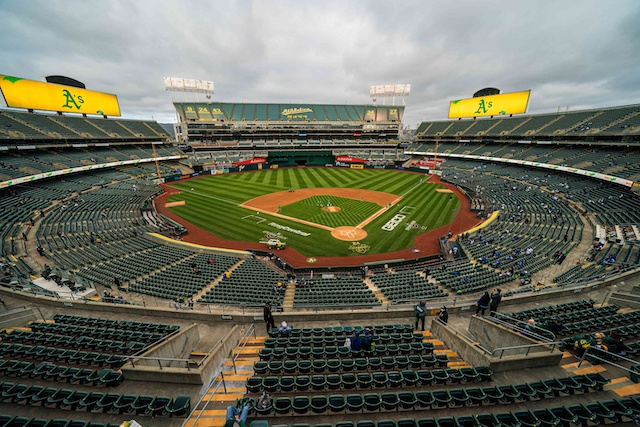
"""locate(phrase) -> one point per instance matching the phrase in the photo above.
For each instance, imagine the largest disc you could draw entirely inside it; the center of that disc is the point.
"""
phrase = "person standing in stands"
(496, 298)
(268, 317)
(483, 303)
(443, 316)
(367, 339)
(356, 341)
(421, 312)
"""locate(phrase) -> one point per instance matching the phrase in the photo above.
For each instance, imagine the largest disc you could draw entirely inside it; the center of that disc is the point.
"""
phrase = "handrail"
(211, 393)
(527, 346)
(244, 339)
(527, 332)
(609, 361)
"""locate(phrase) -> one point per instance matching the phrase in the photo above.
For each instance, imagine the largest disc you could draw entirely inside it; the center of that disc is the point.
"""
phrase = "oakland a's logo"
(71, 100)
(483, 108)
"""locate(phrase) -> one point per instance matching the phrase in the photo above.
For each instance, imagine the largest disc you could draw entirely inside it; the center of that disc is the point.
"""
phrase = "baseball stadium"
(143, 267)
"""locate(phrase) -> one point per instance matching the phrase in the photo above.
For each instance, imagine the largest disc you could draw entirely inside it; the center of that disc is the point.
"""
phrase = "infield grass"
(213, 205)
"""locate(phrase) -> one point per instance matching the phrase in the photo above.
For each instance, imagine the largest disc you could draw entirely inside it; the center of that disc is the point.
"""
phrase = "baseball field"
(318, 211)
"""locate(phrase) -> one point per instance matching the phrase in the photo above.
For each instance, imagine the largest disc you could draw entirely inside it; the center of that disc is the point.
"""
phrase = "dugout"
(300, 158)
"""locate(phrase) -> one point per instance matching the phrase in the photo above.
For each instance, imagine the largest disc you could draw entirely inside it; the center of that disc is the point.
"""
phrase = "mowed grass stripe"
(213, 206)
(304, 181)
(328, 178)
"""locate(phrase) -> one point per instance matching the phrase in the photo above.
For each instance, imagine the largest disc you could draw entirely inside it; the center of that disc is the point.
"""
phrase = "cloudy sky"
(581, 54)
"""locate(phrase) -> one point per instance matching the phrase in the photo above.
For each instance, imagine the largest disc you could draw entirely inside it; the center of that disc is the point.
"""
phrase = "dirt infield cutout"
(332, 209)
(271, 203)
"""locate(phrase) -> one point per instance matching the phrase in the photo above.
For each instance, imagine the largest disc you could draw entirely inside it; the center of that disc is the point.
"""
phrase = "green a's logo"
(483, 108)
(71, 100)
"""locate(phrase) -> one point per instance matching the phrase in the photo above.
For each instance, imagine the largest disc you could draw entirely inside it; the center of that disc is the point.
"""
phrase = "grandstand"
(166, 315)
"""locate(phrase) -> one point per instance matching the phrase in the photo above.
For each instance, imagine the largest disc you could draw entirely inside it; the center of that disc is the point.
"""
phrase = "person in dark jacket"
(421, 313)
(443, 316)
(496, 298)
(356, 341)
(367, 339)
(483, 303)
(268, 317)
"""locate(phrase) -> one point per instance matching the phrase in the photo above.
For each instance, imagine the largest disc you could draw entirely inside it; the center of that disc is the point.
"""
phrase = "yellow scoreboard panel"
(31, 94)
(493, 105)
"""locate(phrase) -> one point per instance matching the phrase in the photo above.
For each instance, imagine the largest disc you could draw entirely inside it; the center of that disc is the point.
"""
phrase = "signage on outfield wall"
(51, 174)
(590, 174)
(349, 159)
(31, 94)
(253, 161)
(356, 166)
(493, 105)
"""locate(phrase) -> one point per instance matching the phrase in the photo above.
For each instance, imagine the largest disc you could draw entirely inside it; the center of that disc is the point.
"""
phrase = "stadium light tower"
(389, 91)
(177, 84)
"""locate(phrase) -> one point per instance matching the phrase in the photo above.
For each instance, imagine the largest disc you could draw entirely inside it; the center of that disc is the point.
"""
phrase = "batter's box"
(256, 218)
(407, 210)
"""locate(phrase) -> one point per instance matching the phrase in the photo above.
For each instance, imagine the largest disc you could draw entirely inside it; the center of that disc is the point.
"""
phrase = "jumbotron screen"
(493, 105)
(31, 94)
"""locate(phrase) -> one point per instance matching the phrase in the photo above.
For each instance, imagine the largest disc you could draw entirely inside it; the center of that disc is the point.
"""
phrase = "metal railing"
(244, 339)
(218, 380)
(502, 350)
(534, 332)
(597, 353)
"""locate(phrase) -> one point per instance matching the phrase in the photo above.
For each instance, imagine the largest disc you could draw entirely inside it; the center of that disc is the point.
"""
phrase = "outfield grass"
(352, 212)
(214, 206)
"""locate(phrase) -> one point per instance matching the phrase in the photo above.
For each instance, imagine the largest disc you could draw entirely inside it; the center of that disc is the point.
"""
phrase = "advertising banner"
(31, 94)
(493, 105)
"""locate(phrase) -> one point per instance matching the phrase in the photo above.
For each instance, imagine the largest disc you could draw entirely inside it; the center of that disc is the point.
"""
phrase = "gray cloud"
(577, 53)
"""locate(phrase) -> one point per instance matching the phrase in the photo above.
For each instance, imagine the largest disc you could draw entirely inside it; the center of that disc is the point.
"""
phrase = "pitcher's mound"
(350, 234)
(332, 209)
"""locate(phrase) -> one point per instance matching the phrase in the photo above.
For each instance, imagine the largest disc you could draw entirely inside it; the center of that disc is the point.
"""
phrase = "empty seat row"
(51, 371)
(438, 399)
(78, 400)
(96, 332)
(613, 411)
(348, 364)
(7, 420)
(306, 352)
(365, 380)
(343, 330)
(69, 341)
(40, 352)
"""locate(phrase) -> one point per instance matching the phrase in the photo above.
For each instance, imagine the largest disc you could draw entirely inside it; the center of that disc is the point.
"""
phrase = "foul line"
(288, 218)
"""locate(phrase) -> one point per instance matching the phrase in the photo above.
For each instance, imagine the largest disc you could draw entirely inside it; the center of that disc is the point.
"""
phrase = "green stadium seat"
(282, 405)
(409, 378)
(394, 379)
(318, 382)
(141, 405)
(349, 381)
(355, 402)
(511, 395)
(287, 383)
(476, 396)
(105, 404)
(585, 416)
(72, 401)
(604, 414)
(180, 406)
(442, 399)
(390, 401)
(271, 384)
(89, 403)
(303, 382)
(507, 419)
(380, 379)
(527, 419)
(337, 403)
(372, 402)
(542, 390)
(459, 397)
(408, 400)
(364, 380)
(300, 404)
(547, 419)
(333, 381)
(564, 415)
(526, 391)
(425, 399)
(319, 404)
(494, 395)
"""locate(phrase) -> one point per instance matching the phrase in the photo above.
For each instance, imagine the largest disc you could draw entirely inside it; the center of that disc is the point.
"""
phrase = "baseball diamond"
(229, 206)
